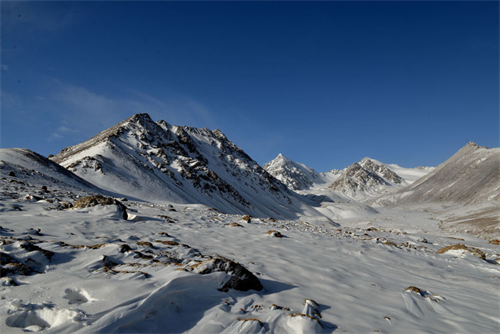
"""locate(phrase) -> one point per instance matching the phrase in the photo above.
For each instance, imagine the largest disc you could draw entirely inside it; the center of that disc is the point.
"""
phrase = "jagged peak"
(365, 159)
(139, 117)
(282, 158)
(219, 134)
(472, 144)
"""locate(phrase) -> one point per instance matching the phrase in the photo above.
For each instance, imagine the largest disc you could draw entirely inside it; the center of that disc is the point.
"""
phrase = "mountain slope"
(20, 163)
(470, 176)
(464, 190)
(159, 162)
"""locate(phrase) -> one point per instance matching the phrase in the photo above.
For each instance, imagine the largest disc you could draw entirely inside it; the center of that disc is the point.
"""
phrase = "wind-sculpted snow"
(160, 162)
(167, 267)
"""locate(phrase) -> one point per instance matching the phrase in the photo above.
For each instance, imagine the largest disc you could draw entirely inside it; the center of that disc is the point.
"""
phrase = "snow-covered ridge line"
(366, 178)
(159, 162)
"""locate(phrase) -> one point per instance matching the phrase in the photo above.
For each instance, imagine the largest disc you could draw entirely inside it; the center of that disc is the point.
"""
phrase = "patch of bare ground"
(461, 247)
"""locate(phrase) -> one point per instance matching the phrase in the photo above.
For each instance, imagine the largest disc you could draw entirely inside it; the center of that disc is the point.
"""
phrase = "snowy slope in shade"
(162, 163)
(316, 279)
(29, 165)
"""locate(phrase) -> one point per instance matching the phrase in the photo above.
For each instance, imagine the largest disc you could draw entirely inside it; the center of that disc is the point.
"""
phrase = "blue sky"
(324, 83)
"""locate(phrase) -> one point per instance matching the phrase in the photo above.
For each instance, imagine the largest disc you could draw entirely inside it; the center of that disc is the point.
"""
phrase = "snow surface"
(317, 278)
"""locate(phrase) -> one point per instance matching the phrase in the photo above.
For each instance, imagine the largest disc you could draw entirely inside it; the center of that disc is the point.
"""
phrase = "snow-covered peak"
(159, 162)
(294, 175)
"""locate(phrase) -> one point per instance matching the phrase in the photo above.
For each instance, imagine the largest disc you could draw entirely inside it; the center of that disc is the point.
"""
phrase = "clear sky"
(323, 83)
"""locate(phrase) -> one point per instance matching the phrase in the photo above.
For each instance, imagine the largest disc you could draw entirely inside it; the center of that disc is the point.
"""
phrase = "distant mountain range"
(366, 178)
(141, 159)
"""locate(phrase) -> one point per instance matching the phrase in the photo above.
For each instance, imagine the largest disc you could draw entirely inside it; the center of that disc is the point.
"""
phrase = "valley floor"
(316, 278)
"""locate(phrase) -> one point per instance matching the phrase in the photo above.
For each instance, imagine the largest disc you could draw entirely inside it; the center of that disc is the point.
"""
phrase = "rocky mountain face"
(366, 177)
(294, 175)
(156, 161)
(361, 180)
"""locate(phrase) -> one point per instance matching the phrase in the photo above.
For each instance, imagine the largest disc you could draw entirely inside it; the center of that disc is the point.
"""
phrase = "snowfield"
(88, 270)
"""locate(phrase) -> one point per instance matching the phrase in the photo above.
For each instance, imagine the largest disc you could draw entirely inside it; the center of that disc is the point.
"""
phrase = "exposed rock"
(461, 247)
(412, 288)
(94, 200)
(240, 278)
(30, 247)
(10, 265)
(246, 219)
(125, 248)
(275, 234)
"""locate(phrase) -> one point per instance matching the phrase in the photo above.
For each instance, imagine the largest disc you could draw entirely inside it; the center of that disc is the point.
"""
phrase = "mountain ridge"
(157, 161)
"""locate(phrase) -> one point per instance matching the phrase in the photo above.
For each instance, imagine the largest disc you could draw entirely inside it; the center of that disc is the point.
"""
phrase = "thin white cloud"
(4, 67)
(84, 113)
(72, 114)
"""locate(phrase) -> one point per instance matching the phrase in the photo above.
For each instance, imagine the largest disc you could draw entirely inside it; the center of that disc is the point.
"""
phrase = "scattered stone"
(234, 225)
(125, 248)
(494, 242)
(246, 219)
(412, 288)
(252, 319)
(91, 201)
(12, 266)
(168, 242)
(108, 263)
(11, 173)
(277, 307)
(167, 219)
(30, 247)
(8, 281)
(275, 234)
(240, 278)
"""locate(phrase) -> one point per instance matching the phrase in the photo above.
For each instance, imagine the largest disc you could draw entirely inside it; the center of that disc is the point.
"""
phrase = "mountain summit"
(159, 162)
(294, 175)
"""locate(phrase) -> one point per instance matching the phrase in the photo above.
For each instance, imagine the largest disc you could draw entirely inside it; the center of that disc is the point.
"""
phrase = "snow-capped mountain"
(159, 162)
(294, 175)
(367, 177)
